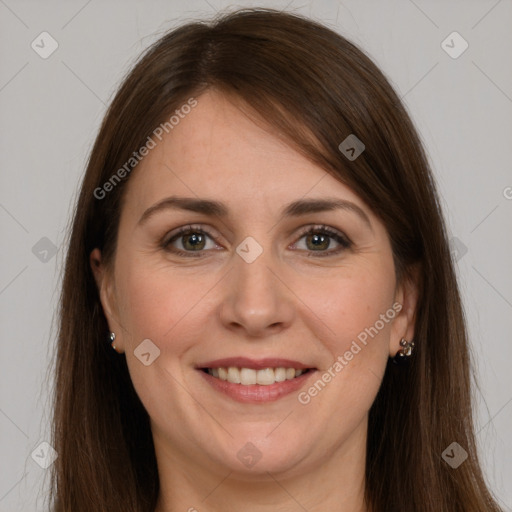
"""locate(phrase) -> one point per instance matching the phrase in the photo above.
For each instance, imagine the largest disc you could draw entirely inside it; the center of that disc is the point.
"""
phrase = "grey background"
(51, 110)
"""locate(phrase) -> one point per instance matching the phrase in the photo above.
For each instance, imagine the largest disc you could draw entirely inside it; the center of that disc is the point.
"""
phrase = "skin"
(284, 304)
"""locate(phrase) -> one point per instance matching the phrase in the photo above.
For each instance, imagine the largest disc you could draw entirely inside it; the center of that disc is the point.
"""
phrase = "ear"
(106, 289)
(406, 294)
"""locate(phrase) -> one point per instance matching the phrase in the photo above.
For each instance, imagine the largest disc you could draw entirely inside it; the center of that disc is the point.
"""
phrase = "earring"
(404, 354)
(112, 342)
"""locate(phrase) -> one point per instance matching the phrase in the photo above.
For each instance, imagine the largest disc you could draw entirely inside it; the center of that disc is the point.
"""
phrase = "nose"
(257, 301)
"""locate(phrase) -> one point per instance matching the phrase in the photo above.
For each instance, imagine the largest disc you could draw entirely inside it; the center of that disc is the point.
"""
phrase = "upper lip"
(256, 364)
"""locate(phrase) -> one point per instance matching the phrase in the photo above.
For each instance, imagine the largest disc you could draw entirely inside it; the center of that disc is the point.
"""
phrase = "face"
(299, 304)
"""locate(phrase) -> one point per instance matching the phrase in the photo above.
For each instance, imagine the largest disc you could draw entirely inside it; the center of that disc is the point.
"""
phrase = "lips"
(255, 364)
(250, 380)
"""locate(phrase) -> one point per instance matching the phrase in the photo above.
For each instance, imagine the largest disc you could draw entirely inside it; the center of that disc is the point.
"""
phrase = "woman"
(257, 242)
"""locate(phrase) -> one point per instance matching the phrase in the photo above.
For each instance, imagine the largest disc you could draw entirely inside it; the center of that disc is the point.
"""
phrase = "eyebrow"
(216, 208)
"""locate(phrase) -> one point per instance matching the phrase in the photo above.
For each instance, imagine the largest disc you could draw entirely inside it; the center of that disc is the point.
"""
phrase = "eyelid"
(324, 228)
(339, 236)
(186, 229)
(165, 243)
(341, 239)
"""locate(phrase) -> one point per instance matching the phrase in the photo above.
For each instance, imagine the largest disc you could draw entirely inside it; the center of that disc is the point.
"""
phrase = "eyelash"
(344, 242)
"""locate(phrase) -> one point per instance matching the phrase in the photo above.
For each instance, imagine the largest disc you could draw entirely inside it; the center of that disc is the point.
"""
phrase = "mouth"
(255, 381)
(251, 376)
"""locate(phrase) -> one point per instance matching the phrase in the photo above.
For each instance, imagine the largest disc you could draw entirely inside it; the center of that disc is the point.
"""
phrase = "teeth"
(249, 376)
(280, 374)
(265, 377)
(233, 375)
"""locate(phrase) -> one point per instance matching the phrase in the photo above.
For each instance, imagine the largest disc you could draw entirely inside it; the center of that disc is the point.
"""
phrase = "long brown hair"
(314, 88)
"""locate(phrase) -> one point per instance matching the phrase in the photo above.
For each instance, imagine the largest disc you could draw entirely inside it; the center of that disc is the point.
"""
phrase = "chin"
(256, 458)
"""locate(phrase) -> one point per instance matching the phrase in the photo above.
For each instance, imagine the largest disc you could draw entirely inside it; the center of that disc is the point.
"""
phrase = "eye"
(190, 238)
(194, 239)
(319, 238)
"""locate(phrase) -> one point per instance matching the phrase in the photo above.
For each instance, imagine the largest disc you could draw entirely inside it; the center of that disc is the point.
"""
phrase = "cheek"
(358, 315)
(159, 306)
(152, 301)
(348, 306)
(165, 305)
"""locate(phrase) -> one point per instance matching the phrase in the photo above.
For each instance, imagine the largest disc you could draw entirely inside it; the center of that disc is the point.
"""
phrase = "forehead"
(218, 151)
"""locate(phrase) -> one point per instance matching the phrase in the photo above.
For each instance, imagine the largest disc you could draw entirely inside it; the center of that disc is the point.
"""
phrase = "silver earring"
(404, 354)
(112, 341)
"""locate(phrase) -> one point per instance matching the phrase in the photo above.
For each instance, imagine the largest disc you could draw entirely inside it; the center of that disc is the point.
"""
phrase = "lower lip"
(256, 393)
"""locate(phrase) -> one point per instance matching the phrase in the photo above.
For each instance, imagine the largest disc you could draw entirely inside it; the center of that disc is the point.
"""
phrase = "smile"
(250, 376)
(255, 380)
